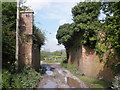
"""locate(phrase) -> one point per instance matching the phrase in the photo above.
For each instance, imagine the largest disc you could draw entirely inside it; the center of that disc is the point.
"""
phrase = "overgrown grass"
(51, 61)
(91, 82)
(27, 78)
(0, 79)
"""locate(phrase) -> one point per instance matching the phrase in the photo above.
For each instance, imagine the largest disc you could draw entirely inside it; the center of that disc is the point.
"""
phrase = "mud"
(58, 77)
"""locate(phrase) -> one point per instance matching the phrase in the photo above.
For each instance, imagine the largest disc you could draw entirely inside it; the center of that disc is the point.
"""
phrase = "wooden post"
(17, 35)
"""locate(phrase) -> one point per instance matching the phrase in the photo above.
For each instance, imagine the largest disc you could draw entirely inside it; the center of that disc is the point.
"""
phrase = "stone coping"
(26, 11)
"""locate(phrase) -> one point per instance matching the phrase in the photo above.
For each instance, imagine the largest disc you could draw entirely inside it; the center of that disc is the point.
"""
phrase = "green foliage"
(71, 68)
(39, 36)
(85, 15)
(64, 34)
(116, 82)
(51, 61)
(45, 54)
(9, 10)
(115, 68)
(100, 50)
(69, 35)
(55, 56)
(8, 33)
(95, 83)
(57, 53)
(112, 25)
(6, 79)
(111, 31)
(27, 78)
(84, 26)
(85, 12)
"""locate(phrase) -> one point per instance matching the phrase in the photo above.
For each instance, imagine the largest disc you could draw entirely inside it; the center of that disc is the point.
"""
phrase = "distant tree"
(45, 54)
(57, 53)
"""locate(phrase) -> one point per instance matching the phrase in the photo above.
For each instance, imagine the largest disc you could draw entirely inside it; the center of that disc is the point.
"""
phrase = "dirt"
(58, 77)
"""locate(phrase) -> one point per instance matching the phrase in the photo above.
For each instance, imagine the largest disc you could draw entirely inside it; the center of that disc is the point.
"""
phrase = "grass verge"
(91, 82)
(50, 61)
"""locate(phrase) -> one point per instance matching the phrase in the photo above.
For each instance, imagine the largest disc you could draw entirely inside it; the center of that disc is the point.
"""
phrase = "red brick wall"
(91, 66)
(25, 39)
(89, 63)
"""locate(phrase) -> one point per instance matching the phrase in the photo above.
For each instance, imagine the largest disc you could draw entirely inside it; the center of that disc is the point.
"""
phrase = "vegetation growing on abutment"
(88, 30)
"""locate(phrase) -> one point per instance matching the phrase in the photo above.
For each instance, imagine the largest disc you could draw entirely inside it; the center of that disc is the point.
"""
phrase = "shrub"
(6, 78)
(116, 82)
(27, 78)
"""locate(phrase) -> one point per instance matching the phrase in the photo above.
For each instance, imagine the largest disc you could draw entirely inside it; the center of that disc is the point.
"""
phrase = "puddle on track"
(68, 80)
(50, 85)
(49, 72)
(48, 69)
(73, 83)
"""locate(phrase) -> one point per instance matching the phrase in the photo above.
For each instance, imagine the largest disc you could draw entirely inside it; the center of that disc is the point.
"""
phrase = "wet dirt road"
(58, 77)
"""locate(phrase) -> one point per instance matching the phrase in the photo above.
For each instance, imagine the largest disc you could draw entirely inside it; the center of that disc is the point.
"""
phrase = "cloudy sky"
(49, 15)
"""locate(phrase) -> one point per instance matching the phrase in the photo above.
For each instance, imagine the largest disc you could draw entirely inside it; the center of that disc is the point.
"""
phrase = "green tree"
(64, 34)
(67, 35)
(57, 53)
(45, 54)
(85, 17)
(8, 33)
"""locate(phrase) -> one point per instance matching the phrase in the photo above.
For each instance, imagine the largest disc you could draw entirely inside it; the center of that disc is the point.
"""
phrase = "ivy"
(88, 30)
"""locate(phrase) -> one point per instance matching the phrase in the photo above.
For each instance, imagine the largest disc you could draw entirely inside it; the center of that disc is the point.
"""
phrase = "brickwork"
(26, 49)
(91, 66)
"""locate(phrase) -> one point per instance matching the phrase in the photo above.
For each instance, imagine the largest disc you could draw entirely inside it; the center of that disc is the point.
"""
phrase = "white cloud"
(37, 4)
(55, 9)
(52, 45)
(59, 10)
(61, 22)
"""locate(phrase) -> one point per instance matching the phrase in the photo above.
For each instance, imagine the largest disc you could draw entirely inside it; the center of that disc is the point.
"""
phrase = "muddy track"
(58, 77)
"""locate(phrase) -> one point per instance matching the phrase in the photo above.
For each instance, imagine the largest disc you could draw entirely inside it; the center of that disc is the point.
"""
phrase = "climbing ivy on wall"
(85, 25)
(100, 36)
(112, 31)
(112, 25)
(85, 14)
